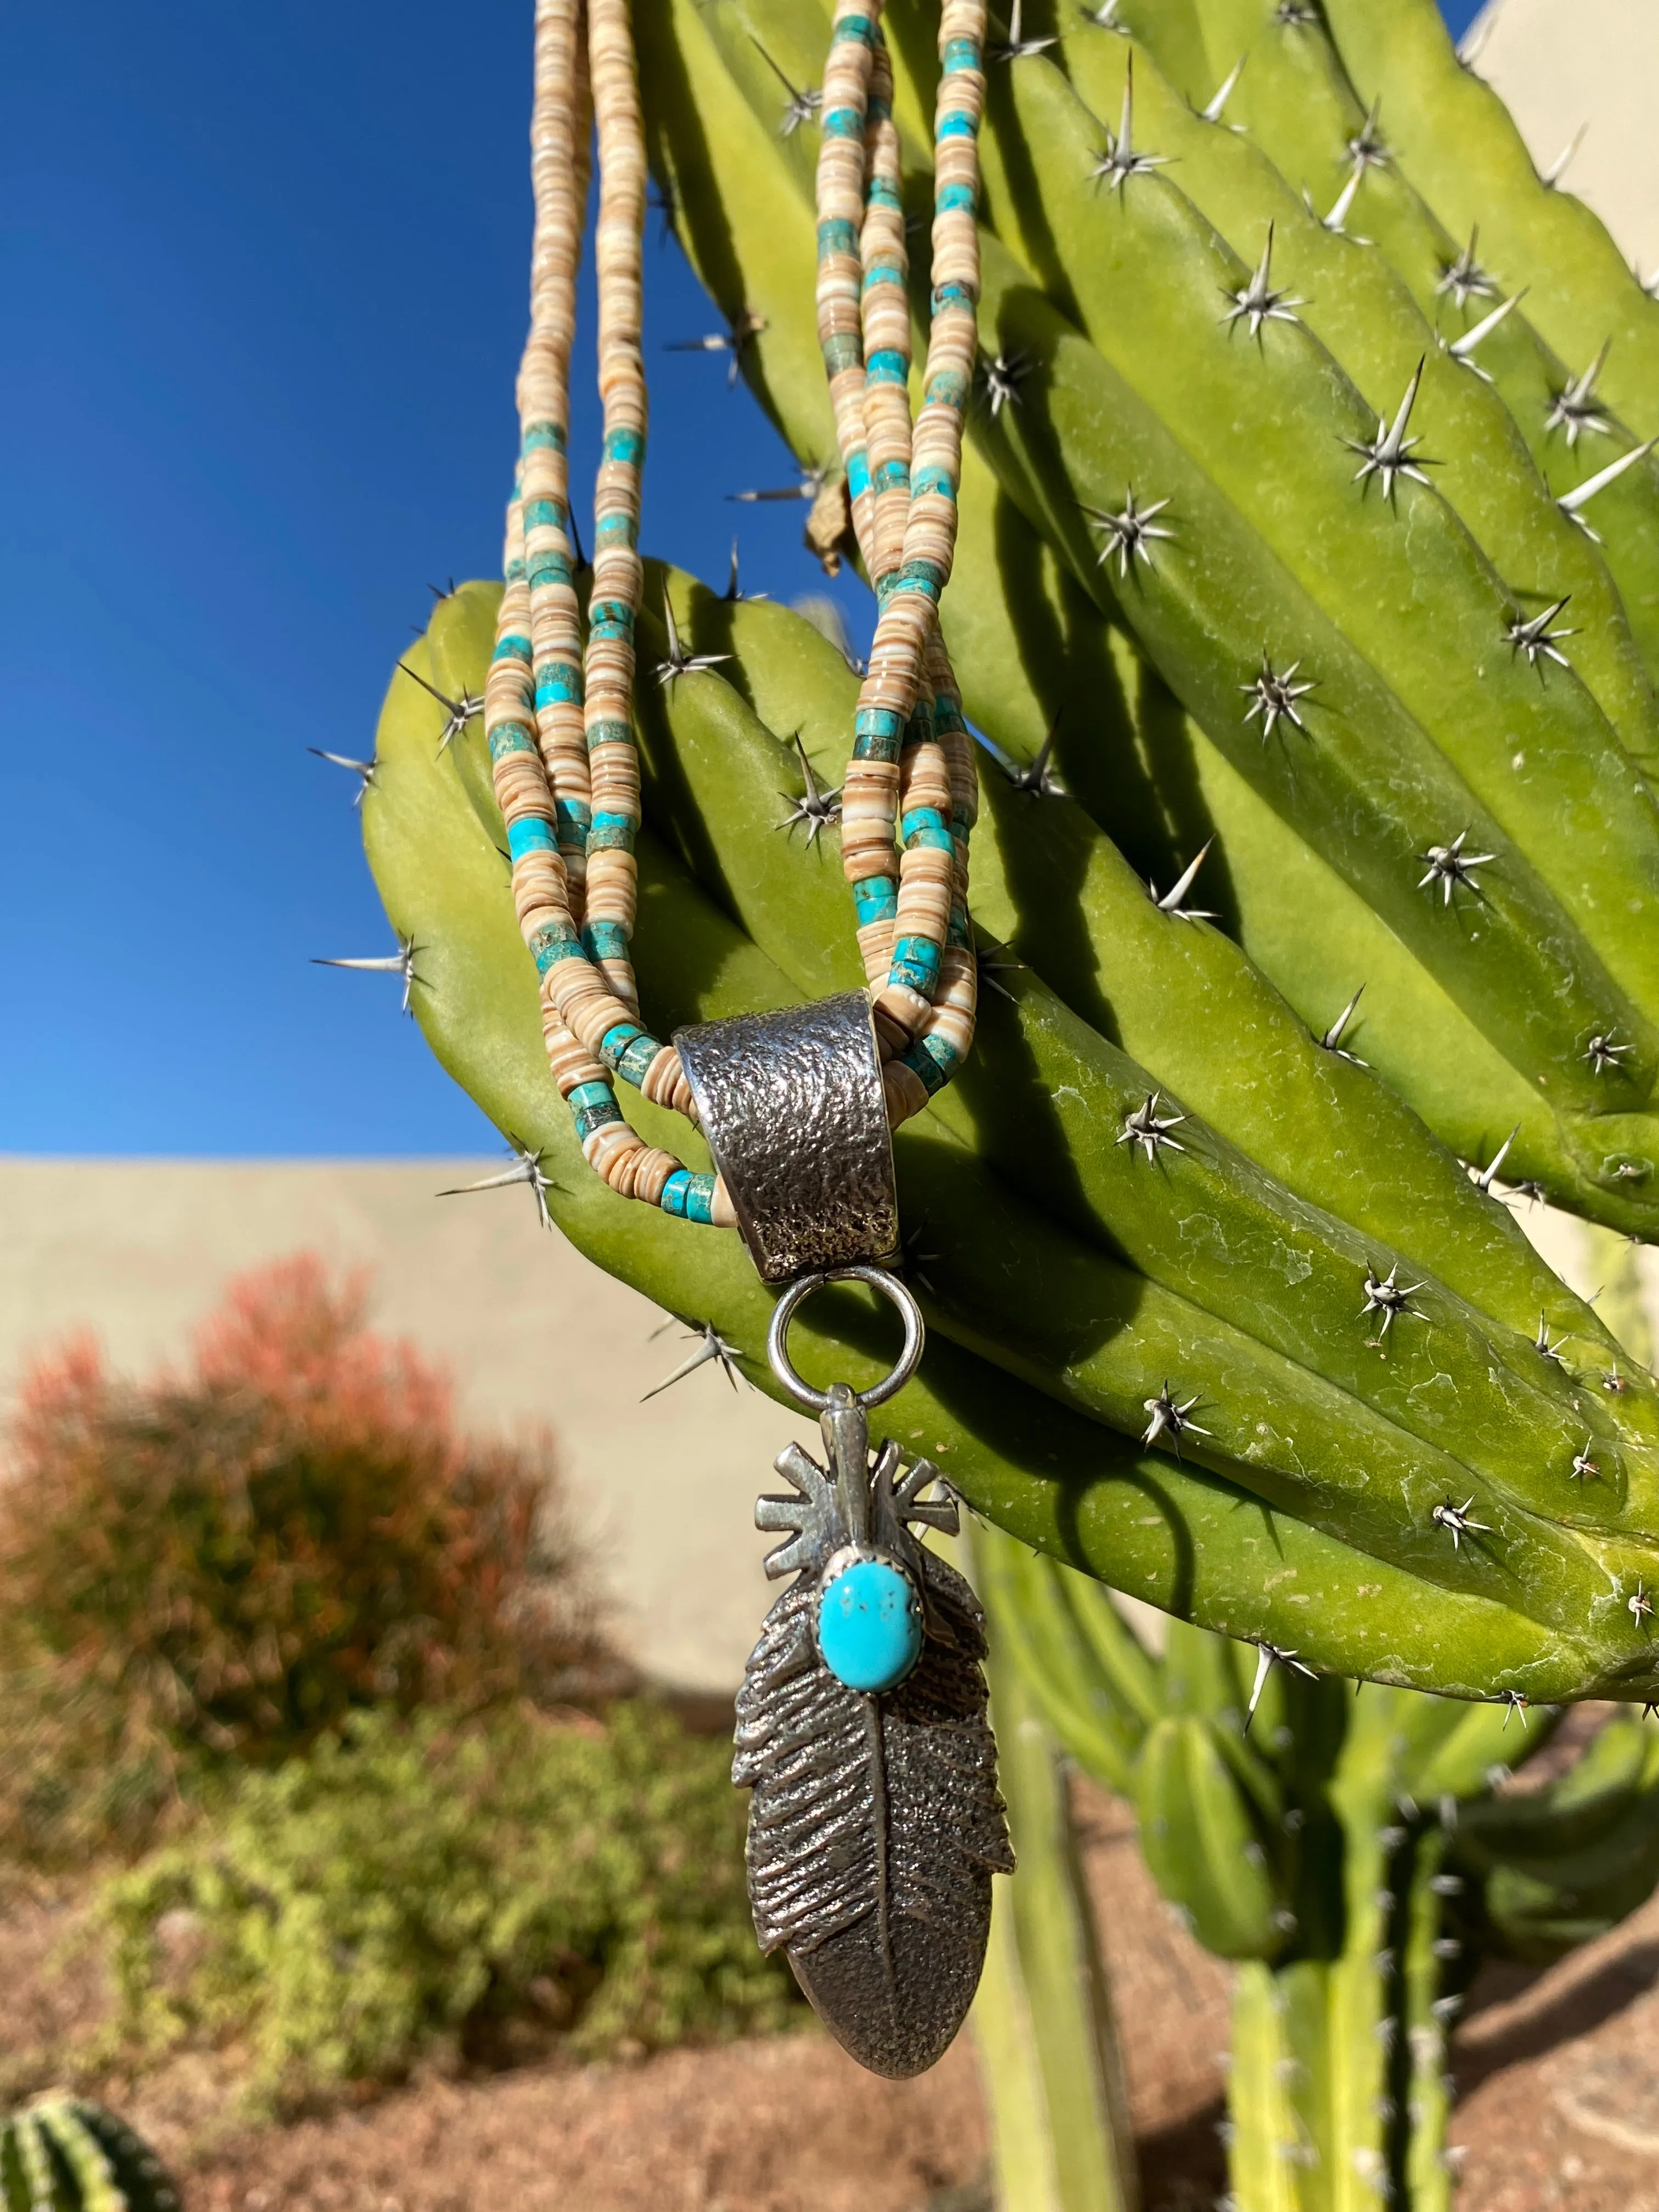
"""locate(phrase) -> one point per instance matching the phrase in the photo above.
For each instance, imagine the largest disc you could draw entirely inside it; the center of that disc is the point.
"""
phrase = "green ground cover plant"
(443, 1889)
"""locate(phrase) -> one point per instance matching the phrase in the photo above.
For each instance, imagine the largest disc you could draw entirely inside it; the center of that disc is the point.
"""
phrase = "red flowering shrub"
(225, 1561)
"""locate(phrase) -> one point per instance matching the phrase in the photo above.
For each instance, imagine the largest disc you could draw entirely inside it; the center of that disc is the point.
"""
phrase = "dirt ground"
(1558, 2077)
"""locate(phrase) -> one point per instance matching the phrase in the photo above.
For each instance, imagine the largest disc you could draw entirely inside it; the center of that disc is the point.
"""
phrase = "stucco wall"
(1561, 64)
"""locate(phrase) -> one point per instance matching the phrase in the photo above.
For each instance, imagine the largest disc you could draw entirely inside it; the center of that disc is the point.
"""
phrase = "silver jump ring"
(777, 1346)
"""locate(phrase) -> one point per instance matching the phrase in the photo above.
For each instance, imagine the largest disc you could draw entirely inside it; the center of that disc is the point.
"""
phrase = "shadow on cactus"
(1354, 1851)
(1259, 1351)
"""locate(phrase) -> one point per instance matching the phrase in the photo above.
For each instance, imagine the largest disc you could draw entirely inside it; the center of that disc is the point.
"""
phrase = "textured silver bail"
(791, 1106)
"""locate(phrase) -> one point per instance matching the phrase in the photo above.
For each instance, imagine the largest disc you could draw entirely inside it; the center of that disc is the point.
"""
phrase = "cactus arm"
(1560, 1867)
(1264, 2139)
(1361, 310)
(1298, 103)
(1052, 1991)
(1011, 2074)
(1201, 1841)
(1459, 145)
(1364, 1980)
(1170, 1532)
(1269, 434)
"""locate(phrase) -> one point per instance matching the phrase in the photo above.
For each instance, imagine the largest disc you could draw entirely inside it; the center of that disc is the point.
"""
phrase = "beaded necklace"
(912, 759)
(557, 711)
(875, 1821)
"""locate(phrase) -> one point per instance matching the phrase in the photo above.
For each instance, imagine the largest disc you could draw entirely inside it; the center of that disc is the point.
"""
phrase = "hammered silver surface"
(791, 1106)
(876, 1825)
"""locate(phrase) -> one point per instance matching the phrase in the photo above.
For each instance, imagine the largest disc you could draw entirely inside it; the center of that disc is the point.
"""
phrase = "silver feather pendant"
(875, 1824)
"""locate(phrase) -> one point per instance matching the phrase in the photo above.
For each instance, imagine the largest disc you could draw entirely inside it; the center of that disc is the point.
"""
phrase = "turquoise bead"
(870, 1624)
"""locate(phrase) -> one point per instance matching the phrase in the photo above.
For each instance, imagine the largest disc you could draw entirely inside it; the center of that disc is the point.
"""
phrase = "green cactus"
(1354, 1853)
(1364, 313)
(1298, 103)
(64, 2154)
(1177, 997)
(1049, 2061)
(1458, 144)
(1420, 715)
(1072, 1286)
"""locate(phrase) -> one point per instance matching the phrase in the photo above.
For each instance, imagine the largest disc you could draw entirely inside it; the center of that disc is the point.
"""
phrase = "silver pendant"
(875, 1824)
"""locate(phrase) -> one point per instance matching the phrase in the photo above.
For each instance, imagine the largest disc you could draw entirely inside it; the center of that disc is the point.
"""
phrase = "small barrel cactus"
(66, 2154)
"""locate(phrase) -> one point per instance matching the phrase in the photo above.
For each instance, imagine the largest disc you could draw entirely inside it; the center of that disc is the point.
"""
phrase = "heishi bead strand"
(884, 320)
(839, 196)
(540, 675)
(921, 950)
(932, 974)
(613, 603)
(912, 770)
(558, 168)
(871, 788)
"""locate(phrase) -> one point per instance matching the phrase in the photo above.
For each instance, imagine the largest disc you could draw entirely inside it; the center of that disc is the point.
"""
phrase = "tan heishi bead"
(904, 1092)
(666, 1084)
(876, 951)
(571, 1063)
(886, 313)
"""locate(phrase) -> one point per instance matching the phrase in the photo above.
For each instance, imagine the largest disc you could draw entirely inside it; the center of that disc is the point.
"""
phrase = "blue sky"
(265, 276)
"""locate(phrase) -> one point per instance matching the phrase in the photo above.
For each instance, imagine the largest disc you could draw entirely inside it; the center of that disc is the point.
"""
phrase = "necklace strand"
(558, 709)
(558, 714)
(911, 780)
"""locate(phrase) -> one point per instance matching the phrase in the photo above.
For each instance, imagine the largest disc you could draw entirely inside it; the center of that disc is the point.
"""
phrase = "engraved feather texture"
(876, 1823)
